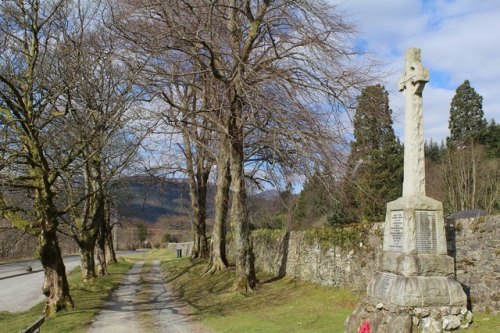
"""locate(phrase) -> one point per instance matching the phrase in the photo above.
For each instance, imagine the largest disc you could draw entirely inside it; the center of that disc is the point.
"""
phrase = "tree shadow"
(284, 246)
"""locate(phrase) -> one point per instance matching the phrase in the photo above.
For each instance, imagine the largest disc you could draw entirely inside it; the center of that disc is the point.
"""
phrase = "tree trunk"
(245, 271)
(200, 243)
(55, 285)
(218, 260)
(109, 253)
(198, 194)
(86, 244)
(101, 253)
(100, 223)
(109, 249)
(202, 180)
(87, 263)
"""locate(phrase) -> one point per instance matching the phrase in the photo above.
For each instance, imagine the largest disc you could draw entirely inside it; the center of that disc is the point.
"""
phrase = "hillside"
(161, 205)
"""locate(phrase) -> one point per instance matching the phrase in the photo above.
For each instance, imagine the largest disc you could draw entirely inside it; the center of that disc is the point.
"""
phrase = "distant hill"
(150, 198)
(162, 205)
(267, 195)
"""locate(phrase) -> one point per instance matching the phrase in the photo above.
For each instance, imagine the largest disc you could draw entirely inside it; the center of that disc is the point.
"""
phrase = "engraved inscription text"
(396, 232)
(426, 230)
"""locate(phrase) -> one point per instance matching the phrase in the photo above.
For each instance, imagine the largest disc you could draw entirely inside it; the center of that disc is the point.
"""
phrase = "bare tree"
(30, 96)
(59, 106)
(104, 103)
(471, 180)
(275, 63)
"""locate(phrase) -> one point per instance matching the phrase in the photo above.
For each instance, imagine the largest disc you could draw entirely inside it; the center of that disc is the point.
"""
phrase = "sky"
(459, 39)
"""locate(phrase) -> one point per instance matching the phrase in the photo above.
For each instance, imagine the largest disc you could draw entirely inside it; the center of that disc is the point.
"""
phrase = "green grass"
(276, 306)
(15, 322)
(143, 296)
(484, 323)
(156, 254)
(282, 305)
(88, 299)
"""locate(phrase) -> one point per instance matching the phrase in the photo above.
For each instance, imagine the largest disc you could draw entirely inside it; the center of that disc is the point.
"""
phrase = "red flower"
(365, 327)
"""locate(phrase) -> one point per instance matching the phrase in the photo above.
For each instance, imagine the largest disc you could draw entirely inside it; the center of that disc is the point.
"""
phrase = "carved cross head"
(415, 76)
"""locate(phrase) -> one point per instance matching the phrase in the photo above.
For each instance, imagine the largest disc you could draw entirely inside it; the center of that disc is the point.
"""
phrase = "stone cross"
(412, 84)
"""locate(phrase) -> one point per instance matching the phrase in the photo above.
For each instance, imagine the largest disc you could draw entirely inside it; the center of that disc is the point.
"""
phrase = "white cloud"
(459, 41)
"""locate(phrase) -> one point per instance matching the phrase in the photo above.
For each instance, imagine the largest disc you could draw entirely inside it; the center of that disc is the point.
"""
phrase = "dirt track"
(144, 303)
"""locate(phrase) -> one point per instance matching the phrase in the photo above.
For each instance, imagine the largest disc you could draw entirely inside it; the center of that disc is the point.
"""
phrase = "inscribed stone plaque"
(426, 230)
(384, 284)
(396, 231)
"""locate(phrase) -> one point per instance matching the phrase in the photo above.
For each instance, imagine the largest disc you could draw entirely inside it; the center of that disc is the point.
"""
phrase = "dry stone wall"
(305, 257)
(475, 243)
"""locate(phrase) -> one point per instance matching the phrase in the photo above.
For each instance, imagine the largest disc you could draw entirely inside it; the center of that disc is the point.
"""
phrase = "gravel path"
(123, 311)
(119, 313)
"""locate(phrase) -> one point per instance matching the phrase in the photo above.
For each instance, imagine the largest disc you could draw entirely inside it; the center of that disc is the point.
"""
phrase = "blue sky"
(460, 40)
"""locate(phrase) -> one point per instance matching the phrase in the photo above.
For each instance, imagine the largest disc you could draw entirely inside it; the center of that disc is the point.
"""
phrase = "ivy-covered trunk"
(55, 285)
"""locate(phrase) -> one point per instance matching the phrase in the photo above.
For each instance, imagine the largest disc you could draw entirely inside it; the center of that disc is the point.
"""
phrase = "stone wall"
(185, 247)
(475, 245)
(350, 263)
(306, 256)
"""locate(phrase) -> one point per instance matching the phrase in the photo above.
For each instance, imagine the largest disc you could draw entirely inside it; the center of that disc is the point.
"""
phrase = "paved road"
(20, 291)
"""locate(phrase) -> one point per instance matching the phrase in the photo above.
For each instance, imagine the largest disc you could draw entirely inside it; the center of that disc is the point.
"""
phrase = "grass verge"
(15, 322)
(281, 305)
(88, 299)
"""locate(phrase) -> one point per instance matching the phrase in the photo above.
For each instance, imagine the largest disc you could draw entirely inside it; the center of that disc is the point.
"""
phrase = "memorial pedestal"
(414, 269)
(414, 285)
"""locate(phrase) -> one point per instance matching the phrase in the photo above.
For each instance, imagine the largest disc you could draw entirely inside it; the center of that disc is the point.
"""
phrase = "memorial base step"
(415, 291)
(383, 318)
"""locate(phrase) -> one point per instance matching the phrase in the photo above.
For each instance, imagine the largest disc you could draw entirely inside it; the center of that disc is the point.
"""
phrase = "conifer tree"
(466, 121)
(314, 199)
(376, 160)
(490, 138)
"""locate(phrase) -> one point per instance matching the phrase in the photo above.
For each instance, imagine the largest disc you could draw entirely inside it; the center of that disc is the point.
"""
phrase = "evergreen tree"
(490, 138)
(313, 201)
(434, 151)
(466, 121)
(376, 160)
